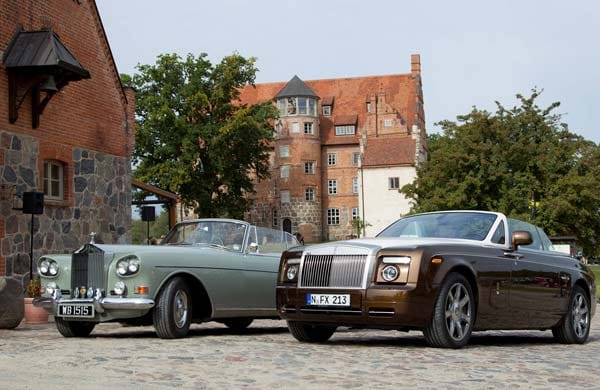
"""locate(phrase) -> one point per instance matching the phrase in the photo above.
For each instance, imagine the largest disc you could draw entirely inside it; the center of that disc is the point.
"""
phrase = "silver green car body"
(224, 270)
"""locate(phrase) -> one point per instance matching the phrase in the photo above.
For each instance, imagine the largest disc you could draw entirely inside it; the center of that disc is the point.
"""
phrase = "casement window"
(355, 185)
(331, 159)
(284, 151)
(285, 196)
(309, 194)
(355, 158)
(309, 167)
(333, 216)
(369, 107)
(388, 123)
(295, 127)
(54, 182)
(308, 128)
(393, 183)
(355, 213)
(285, 171)
(345, 130)
(326, 110)
(275, 218)
(332, 186)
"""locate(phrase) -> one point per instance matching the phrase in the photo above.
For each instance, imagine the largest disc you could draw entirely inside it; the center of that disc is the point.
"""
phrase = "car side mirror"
(521, 237)
(253, 247)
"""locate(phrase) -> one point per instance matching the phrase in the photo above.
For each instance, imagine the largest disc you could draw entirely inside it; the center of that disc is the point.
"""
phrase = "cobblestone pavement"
(266, 356)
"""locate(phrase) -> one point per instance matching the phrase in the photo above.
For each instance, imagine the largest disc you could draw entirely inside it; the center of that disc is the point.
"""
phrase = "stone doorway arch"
(287, 225)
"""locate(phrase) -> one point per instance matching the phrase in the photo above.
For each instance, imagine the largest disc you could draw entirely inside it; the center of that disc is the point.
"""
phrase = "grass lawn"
(596, 269)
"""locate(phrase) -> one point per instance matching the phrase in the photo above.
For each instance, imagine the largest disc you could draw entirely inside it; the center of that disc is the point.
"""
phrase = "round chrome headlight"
(53, 268)
(122, 268)
(119, 288)
(128, 266)
(133, 266)
(292, 272)
(44, 266)
(389, 273)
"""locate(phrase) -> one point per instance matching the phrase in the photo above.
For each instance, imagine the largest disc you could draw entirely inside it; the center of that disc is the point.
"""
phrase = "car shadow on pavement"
(148, 332)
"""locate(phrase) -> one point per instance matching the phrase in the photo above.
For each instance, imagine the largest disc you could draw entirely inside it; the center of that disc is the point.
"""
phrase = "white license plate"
(328, 299)
(76, 310)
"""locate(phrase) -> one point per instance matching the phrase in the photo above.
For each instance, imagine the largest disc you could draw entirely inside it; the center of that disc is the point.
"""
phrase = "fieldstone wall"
(100, 201)
(305, 217)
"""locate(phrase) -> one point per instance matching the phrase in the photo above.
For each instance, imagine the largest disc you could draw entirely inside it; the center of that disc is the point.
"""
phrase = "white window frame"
(327, 110)
(369, 107)
(331, 159)
(309, 194)
(48, 180)
(308, 128)
(388, 122)
(394, 183)
(285, 196)
(355, 185)
(332, 186)
(355, 214)
(284, 151)
(295, 127)
(355, 158)
(309, 167)
(344, 130)
(284, 171)
(333, 216)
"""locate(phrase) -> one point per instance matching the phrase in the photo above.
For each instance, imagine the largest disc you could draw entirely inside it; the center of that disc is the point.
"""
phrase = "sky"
(473, 53)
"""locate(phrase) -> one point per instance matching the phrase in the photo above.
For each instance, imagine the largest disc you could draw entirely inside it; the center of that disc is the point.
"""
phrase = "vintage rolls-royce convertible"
(446, 274)
(204, 270)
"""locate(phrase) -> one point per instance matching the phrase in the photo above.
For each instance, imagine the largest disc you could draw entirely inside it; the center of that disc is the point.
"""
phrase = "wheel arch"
(469, 274)
(202, 306)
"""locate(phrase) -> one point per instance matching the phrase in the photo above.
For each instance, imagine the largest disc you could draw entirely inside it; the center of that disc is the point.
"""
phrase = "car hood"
(157, 249)
(377, 243)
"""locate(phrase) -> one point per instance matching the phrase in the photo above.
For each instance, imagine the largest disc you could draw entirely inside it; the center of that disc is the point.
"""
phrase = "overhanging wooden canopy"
(168, 198)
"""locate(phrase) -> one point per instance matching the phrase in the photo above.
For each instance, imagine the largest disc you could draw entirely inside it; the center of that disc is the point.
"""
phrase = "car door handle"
(512, 255)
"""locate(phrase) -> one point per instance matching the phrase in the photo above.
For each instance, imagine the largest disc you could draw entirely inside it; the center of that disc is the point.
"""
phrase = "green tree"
(359, 225)
(195, 138)
(158, 228)
(505, 160)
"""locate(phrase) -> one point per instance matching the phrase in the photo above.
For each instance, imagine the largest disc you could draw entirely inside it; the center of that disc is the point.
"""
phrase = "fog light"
(292, 272)
(389, 273)
(119, 288)
(50, 287)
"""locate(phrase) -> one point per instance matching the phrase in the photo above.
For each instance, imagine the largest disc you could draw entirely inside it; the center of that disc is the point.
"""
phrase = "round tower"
(297, 165)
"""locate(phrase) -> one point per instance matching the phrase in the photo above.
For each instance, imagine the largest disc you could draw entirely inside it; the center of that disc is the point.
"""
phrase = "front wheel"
(173, 311)
(453, 314)
(575, 326)
(310, 333)
(74, 328)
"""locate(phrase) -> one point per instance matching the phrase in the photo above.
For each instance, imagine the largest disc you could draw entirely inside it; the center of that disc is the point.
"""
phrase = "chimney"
(415, 65)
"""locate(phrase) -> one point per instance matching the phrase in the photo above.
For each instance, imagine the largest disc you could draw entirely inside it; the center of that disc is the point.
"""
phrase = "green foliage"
(358, 225)
(158, 228)
(502, 161)
(194, 137)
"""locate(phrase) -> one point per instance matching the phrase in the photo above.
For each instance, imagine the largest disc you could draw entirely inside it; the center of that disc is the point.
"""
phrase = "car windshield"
(226, 234)
(465, 225)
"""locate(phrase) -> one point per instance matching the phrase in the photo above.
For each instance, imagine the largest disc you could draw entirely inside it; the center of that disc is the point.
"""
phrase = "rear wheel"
(310, 333)
(575, 326)
(74, 328)
(453, 314)
(173, 311)
(238, 323)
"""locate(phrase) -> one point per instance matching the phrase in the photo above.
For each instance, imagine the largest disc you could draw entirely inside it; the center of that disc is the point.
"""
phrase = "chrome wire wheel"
(458, 312)
(580, 315)
(180, 311)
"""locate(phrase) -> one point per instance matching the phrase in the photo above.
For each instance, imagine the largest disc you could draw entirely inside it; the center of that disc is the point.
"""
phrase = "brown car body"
(513, 287)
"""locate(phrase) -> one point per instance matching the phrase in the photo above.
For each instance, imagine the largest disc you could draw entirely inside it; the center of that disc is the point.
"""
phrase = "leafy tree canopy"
(194, 137)
(505, 160)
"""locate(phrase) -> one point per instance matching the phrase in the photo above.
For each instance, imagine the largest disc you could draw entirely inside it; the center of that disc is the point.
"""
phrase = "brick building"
(66, 129)
(332, 138)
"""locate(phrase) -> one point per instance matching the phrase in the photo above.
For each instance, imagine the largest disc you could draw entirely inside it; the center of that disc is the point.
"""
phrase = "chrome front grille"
(87, 268)
(333, 271)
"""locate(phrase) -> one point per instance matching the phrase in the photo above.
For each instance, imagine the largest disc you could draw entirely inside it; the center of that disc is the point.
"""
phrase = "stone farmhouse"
(66, 130)
(343, 148)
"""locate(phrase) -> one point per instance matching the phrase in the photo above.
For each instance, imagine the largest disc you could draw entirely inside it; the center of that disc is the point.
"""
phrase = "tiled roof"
(345, 119)
(327, 101)
(349, 93)
(389, 151)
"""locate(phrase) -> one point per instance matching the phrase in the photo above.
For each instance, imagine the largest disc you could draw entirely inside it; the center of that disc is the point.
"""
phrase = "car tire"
(310, 333)
(172, 314)
(238, 324)
(575, 326)
(74, 328)
(453, 314)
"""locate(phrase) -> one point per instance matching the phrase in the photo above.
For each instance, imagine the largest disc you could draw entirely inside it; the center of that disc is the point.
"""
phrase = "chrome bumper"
(100, 305)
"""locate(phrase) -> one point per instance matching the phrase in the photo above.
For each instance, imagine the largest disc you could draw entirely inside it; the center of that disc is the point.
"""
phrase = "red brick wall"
(88, 113)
